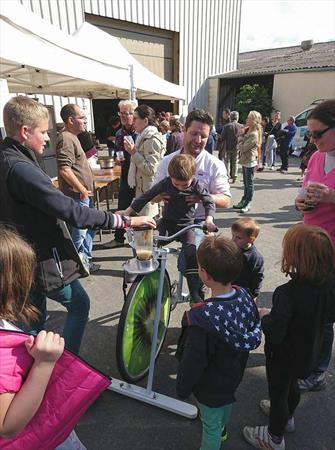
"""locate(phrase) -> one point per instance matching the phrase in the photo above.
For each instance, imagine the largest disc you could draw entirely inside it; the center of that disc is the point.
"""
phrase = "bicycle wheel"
(135, 329)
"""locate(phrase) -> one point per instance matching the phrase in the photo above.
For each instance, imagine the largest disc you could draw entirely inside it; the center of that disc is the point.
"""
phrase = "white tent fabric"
(36, 57)
(110, 49)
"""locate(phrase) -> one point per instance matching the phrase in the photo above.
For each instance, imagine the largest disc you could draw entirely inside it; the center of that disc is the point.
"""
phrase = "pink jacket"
(73, 386)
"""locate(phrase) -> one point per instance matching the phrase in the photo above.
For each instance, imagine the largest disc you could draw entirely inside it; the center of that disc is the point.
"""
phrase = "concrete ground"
(116, 422)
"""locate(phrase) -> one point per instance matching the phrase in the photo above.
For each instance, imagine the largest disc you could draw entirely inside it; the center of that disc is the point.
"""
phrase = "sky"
(284, 23)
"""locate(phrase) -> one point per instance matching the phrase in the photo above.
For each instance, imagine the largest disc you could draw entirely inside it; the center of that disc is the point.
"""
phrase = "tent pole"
(132, 90)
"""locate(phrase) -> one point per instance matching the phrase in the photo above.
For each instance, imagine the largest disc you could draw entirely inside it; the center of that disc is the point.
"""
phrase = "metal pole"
(156, 321)
(132, 89)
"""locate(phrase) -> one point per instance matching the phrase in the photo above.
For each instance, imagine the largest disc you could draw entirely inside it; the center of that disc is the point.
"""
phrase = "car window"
(301, 119)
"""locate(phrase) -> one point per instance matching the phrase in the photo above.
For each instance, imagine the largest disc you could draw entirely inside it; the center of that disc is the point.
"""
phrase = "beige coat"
(146, 159)
(248, 147)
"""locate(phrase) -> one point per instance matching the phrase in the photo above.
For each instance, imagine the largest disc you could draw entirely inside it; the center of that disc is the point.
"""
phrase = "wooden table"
(103, 179)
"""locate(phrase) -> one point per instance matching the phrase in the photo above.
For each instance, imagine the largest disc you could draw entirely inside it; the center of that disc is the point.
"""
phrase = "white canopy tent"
(36, 57)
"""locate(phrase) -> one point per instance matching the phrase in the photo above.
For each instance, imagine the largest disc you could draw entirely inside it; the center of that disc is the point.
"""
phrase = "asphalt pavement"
(115, 422)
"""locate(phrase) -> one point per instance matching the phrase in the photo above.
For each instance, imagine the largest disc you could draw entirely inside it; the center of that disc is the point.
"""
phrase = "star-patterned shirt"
(234, 318)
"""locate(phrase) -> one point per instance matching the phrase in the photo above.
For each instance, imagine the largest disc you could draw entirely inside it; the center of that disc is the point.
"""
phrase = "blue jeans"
(326, 350)
(83, 239)
(248, 181)
(263, 159)
(75, 299)
(199, 235)
(182, 265)
(213, 421)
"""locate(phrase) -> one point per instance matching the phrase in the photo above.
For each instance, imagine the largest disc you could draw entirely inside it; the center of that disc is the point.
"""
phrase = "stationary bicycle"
(145, 317)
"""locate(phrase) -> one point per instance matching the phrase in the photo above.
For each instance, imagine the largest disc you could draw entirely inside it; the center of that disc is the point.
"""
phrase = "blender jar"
(143, 242)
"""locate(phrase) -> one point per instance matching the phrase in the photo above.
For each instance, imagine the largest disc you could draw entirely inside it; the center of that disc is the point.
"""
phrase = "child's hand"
(209, 225)
(46, 347)
(263, 312)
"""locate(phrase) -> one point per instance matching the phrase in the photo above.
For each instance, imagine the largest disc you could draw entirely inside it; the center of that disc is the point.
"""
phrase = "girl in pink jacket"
(38, 379)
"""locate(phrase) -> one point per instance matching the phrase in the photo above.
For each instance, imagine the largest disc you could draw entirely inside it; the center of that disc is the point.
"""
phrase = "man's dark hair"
(324, 113)
(226, 110)
(67, 111)
(199, 115)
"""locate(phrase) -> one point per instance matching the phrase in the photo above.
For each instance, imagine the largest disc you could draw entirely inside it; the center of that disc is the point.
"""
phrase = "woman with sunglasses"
(319, 200)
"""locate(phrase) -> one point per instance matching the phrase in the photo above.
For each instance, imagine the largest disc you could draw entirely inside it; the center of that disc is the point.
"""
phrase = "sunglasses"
(318, 134)
(125, 114)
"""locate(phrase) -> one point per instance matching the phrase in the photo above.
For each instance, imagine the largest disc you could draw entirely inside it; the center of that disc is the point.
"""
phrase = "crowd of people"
(46, 246)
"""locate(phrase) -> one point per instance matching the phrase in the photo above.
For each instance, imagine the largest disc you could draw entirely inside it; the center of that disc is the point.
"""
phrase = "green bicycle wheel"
(135, 329)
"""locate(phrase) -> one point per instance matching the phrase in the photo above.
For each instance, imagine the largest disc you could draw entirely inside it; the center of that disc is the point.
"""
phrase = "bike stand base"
(153, 398)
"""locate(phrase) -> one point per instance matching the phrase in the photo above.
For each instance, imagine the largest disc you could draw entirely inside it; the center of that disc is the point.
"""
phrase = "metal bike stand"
(147, 395)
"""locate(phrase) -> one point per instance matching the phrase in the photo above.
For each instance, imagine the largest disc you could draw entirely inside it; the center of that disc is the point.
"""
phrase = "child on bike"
(178, 213)
(244, 233)
(35, 389)
(216, 339)
(294, 328)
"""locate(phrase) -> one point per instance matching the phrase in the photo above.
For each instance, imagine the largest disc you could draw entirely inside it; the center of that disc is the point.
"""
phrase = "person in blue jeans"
(285, 137)
(75, 176)
(248, 147)
(37, 210)
(216, 338)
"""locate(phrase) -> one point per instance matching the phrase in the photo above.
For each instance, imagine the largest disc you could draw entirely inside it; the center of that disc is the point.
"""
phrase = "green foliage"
(253, 97)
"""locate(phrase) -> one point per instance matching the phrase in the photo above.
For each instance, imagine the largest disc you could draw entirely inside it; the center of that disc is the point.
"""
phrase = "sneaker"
(114, 244)
(85, 268)
(239, 205)
(315, 382)
(279, 170)
(245, 208)
(72, 442)
(284, 171)
(94, 267)
(259, 437)
(260, 169)
(265, 407)
(273, 167)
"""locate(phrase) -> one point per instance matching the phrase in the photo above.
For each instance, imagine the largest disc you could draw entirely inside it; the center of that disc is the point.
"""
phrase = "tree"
(253, 97)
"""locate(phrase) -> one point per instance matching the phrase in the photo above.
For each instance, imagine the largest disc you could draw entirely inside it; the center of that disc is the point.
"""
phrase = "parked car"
(301, 122)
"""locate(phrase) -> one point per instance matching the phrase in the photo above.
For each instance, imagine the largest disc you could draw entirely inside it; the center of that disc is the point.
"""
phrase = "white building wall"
(208, 31)
(294, 92)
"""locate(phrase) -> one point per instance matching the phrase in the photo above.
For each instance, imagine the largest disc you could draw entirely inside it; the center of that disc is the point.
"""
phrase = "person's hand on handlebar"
(209, 225)
(142, 221)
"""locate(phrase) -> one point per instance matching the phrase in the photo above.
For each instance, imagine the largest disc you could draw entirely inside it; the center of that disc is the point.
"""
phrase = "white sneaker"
(265, 407)
(259, 437)
(72, 442)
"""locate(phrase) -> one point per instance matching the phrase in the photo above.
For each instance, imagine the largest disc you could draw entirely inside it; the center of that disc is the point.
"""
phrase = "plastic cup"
(120, 155)
(303, 194)
(129, 139)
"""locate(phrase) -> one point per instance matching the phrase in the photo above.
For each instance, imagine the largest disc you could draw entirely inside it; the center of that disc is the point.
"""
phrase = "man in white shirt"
(210, 170)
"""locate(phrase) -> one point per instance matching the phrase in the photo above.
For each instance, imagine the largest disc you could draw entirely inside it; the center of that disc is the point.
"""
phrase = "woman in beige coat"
(146, 154)
(248, 148)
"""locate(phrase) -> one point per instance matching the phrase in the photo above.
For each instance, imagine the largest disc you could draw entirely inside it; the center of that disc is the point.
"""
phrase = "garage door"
(152, 47)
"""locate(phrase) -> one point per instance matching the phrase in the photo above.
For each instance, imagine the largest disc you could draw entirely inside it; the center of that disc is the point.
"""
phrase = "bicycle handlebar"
(181, 232)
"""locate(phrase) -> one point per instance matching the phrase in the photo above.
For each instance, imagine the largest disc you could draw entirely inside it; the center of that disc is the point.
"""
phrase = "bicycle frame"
(146, 394)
